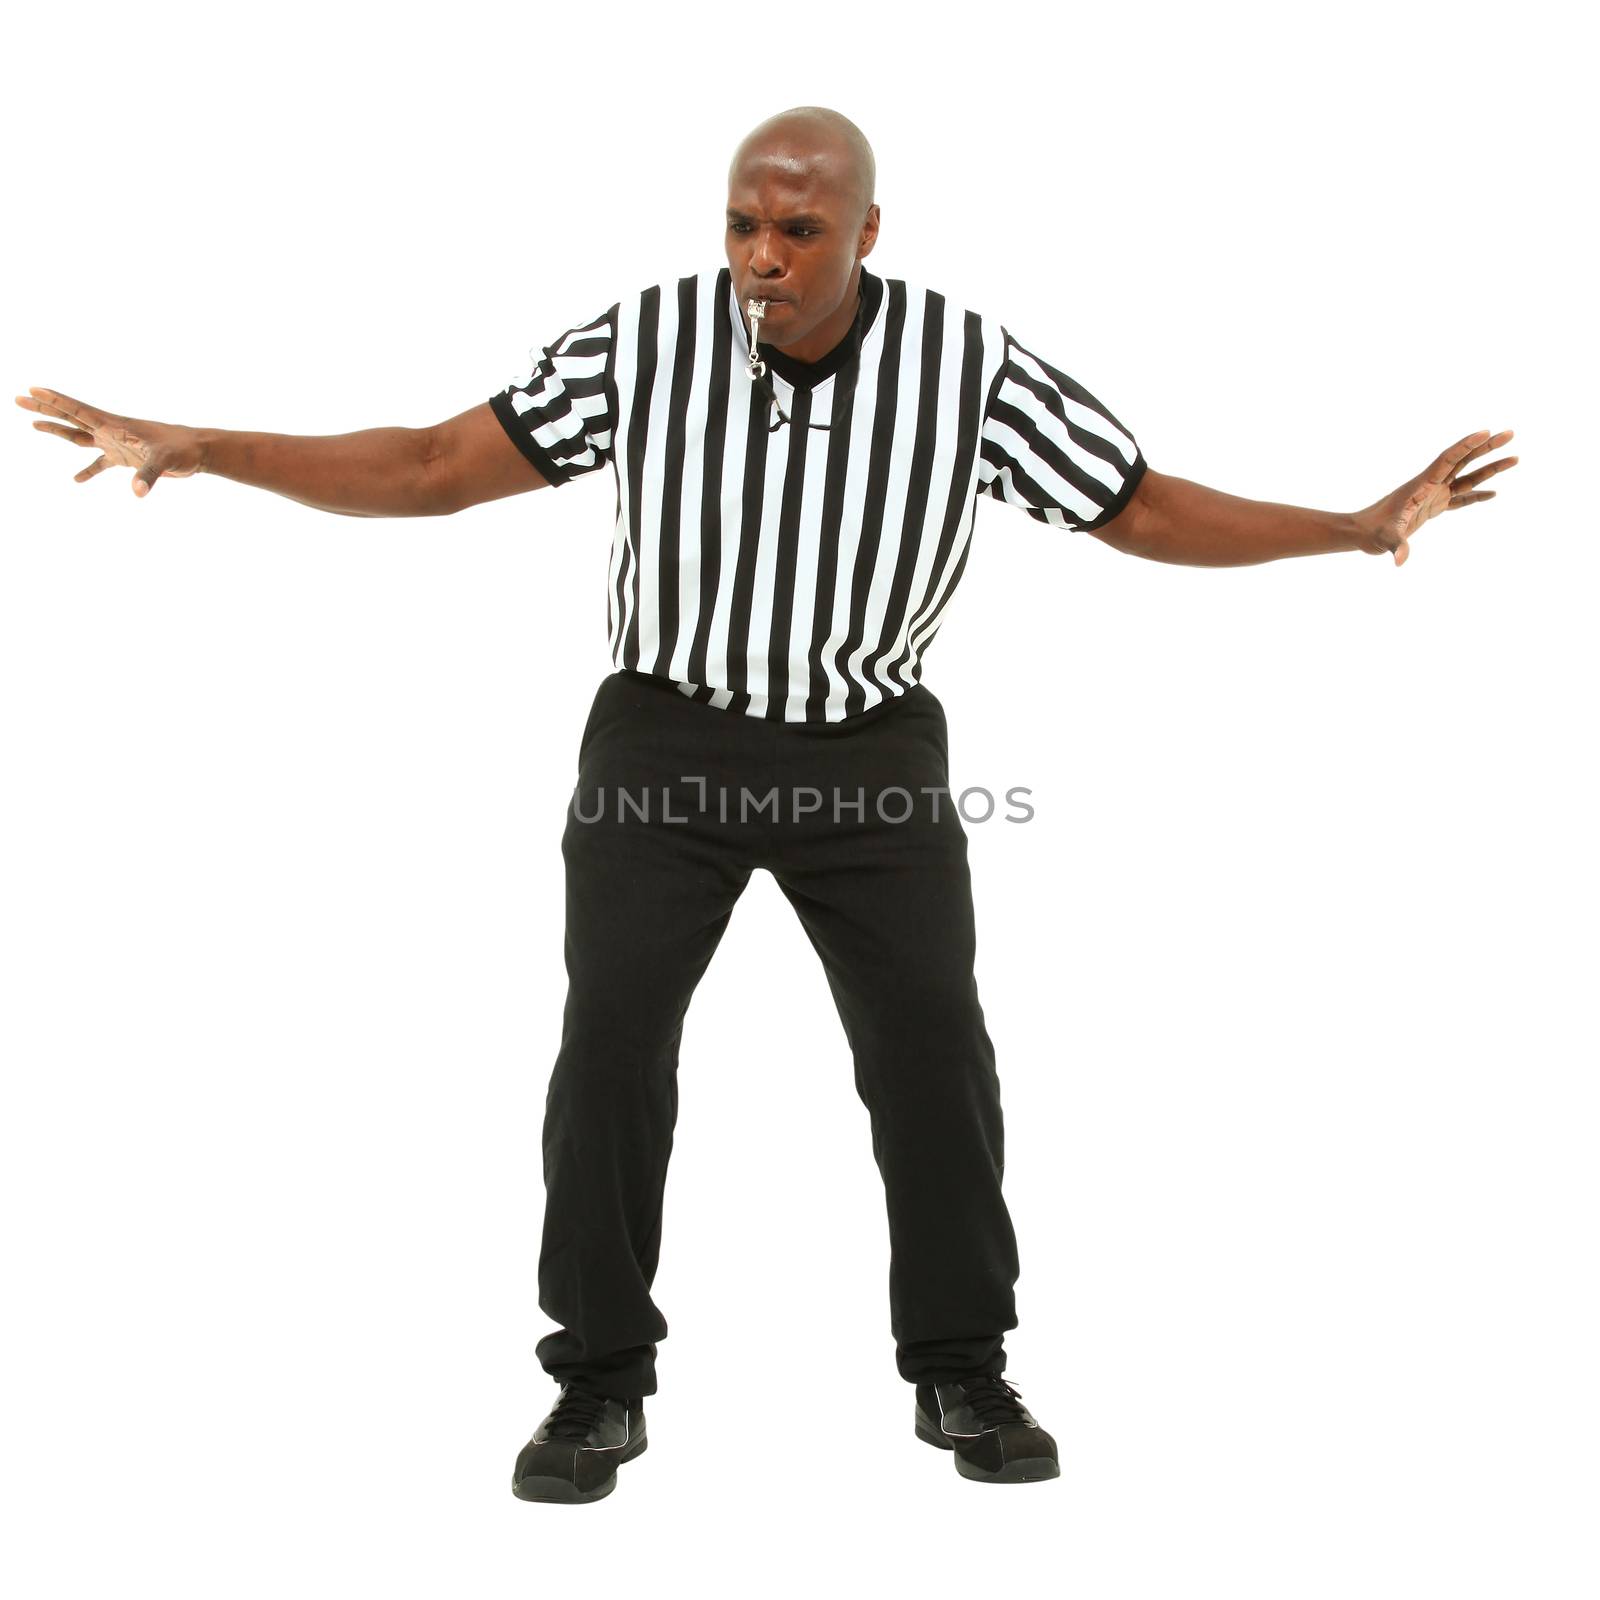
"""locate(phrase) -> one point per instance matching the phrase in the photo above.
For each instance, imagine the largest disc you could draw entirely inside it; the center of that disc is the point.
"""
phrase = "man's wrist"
(205, 439)
(1361, 534)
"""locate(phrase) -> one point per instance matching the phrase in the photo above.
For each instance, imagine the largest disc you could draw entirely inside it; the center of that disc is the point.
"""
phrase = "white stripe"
(1060, 492)
(647, 537)
(808, 552)
(941, 469)
(624, 371)
(708, 315)
(1084, 416)
(741, 398)
(894, 505)
(855, 500)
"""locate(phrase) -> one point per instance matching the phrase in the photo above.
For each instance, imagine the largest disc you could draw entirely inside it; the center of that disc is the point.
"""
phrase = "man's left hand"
(1387, 525)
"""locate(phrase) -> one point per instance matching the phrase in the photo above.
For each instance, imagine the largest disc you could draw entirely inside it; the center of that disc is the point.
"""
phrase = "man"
(797, 446)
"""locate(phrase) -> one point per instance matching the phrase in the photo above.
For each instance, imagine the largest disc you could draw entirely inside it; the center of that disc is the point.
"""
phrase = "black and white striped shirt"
(799, 571)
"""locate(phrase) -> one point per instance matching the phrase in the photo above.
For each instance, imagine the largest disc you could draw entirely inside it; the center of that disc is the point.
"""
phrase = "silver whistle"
(755, 310)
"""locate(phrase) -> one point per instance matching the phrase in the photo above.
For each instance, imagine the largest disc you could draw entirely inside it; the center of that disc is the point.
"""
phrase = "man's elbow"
(470, 459)
(436, 495)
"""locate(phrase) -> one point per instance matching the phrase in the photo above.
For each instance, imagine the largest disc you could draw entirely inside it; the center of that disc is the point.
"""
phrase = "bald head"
(817, 144)
(801, 216)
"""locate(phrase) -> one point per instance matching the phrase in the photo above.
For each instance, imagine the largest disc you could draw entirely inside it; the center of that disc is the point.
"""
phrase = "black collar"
(806, 374)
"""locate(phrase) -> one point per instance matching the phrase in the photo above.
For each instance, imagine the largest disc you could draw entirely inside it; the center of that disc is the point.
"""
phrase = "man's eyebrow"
(800, 216)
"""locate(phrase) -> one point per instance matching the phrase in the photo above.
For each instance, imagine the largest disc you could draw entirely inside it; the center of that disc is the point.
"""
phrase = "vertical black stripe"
(609, 379)
(744, 572)
(877, 490)
(968, 423)
(716, 411)
(931, 626)
(992, 487)
(788, 539)
(672, 479)
(841, 417)
(919, 485)
(638, 427)
(614, 416)
(615, 597)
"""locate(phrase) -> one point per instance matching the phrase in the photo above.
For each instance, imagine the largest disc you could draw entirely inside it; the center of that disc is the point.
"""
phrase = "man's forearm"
(378, 472)
(1195, 526)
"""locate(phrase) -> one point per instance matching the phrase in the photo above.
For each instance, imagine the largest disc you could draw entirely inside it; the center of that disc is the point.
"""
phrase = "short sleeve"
(1050, 447)
(559, 414)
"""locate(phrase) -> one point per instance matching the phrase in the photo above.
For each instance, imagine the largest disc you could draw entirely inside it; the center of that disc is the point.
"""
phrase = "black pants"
(676, 803)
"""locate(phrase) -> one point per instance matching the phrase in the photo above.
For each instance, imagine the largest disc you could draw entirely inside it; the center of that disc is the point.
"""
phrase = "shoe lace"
(575, 1412)
(993, 1400)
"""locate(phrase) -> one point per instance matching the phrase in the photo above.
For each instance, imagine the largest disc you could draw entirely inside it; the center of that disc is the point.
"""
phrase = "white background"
(1290, 977)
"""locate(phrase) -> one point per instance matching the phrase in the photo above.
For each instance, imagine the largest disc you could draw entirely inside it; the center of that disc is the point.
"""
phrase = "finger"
(144, 480)
(69, 410)
(76, 435)
(44, 407)
(1469, 499)
(1462, 450)
(47, 408)
(1483, 449)
(64, 402)
(89, 471)
(1471, 480)
(1402, 550)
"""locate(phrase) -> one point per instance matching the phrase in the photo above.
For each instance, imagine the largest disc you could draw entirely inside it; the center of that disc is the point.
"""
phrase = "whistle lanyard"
(757, 368)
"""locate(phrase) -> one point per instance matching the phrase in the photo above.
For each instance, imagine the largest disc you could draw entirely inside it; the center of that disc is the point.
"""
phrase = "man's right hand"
(153, 449)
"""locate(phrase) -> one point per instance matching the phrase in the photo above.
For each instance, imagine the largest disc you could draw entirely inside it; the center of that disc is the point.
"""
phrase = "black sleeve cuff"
(1124, 494)
(552, 471)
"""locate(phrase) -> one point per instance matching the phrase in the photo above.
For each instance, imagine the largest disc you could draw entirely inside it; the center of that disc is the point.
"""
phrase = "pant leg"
(888, 908)
(646, 905)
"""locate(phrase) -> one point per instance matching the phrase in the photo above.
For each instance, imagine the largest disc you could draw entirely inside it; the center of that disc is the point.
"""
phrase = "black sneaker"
(992, 1433)
(575, 1452)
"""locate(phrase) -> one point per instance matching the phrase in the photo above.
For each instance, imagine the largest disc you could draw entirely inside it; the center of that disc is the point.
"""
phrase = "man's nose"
(766, 259)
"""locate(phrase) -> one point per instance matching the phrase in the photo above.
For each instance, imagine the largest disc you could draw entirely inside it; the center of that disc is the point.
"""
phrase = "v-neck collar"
(808, 374)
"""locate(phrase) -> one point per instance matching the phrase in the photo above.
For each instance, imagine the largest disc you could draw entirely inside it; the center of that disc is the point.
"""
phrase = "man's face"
(795, 230)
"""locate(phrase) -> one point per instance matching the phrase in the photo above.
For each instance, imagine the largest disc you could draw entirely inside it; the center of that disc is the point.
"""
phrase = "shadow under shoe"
(994, 1436)
(575, 1451)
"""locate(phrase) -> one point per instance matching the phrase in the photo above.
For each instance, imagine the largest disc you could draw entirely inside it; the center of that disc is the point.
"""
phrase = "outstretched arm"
(1173, 519)
(377, 472)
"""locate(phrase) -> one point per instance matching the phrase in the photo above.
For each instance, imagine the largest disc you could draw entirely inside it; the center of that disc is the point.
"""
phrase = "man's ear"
(869, 233)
